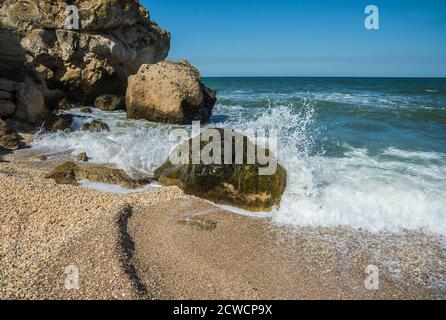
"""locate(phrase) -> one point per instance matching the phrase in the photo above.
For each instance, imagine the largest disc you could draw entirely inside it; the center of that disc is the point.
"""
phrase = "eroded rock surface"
(169, 92)
(115, 37)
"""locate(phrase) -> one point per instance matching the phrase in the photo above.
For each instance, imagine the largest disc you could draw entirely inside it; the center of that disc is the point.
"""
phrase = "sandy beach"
(162, 244)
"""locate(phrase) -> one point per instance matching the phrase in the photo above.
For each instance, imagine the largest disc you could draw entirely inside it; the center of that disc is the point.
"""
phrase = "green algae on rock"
(240, 185)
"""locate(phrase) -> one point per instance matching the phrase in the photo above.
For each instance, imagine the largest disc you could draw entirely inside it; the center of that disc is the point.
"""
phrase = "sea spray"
(361, 153)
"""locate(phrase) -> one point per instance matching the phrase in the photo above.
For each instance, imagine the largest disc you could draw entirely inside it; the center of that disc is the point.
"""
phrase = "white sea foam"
(414, 154)
(358, 190)
(380, 192)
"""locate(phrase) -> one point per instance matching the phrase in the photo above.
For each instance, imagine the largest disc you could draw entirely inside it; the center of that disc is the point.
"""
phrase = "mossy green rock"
(239, 185)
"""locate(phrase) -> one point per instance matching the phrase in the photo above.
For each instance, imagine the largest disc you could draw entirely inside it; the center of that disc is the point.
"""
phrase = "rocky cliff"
(115, 37)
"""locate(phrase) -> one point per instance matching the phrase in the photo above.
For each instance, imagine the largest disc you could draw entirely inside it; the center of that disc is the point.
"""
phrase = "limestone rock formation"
(240, 185)
(169, 92)
(114, 38)
(23, 93)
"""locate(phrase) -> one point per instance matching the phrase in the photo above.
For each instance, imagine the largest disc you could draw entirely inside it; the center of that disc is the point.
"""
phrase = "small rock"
(71, 173)
(40, 157)
(95, 126)
(86, 110)
(82, 157)
(201, 222)
(110, 102)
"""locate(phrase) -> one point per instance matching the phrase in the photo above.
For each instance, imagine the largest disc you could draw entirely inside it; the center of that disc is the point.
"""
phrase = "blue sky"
(306, 37)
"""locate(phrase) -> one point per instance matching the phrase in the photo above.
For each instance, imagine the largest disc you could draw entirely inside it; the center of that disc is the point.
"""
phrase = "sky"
(306, 37)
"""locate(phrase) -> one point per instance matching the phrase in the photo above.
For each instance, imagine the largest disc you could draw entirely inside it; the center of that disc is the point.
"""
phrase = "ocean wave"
(377, 192)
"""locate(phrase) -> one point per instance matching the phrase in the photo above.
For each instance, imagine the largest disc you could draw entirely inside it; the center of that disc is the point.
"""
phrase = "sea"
(365, 153)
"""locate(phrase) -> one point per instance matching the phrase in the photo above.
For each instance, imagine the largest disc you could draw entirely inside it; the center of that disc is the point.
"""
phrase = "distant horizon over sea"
(326, 77)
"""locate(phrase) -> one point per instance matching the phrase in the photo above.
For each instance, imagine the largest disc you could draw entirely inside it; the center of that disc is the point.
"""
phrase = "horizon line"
(345, 77)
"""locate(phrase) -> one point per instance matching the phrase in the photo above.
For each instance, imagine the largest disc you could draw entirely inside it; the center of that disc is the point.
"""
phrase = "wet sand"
(162, 244)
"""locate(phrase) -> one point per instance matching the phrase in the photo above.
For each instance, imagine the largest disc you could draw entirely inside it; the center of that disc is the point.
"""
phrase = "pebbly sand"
(162, 244)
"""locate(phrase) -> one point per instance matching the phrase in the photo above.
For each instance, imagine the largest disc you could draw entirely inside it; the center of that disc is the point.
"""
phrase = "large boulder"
(169, 92)
(241, 185)
(115, 37)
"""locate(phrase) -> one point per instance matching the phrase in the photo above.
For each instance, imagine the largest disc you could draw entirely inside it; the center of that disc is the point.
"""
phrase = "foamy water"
(353, 159)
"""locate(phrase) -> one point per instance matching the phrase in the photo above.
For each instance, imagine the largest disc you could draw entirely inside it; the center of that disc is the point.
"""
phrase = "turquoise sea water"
(366, 153)
(372, 113)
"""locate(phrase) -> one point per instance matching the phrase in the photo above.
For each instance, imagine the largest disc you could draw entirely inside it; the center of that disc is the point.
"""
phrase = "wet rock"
(71, 173)
(240, 185)
(110, 102)
(169, 92)
(201, 223)
(86, 110)
(95, 126)
(40, 157)
(56, 123)
(82, 157)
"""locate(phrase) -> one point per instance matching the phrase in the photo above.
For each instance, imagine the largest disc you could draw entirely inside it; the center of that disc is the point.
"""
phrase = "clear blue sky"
(305, 37)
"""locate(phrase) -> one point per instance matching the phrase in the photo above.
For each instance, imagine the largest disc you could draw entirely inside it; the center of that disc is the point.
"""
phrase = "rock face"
(9, 139)
(110, 102)
(23, 93)
(169, 92)
(71, 173)
(115, 37)
(240, 185)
